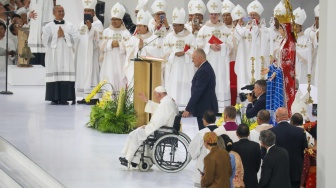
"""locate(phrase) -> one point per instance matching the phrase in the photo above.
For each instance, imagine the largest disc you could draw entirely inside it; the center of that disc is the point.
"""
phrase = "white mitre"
(214, 6)
(179, 16)
(238, 12)
(142, 4)
(300, 16)
(228, 6)
(143, 17)
(255, 6)
(118, 11)
(317, 10)
(89, 4)
(199, 7)
(159, 6)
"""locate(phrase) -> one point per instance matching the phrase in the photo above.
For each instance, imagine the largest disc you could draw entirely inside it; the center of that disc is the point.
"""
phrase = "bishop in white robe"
(87, 55)
(163, 114)
(113, 50)
(178, 48)
(59, 38)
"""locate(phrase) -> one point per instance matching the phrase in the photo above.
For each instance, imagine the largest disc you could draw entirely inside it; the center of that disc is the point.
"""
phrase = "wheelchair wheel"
(170, 153)
(185, 136)
(145, 165)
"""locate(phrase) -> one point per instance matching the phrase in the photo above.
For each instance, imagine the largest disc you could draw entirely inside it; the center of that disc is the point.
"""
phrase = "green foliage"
(104, 117)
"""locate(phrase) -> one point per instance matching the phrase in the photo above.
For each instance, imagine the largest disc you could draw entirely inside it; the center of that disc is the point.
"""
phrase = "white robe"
(154, 49)
(179, 71)
(87, 67)
(11, 46)
(163, 115)
(113, 59)
(60, 54)
(311, 32)
(250, 41)
(220, 60)
(198, 151)
(303, 57)
(44, 11)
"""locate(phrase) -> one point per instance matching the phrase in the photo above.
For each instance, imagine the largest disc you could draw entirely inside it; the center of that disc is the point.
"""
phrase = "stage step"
(17, 170)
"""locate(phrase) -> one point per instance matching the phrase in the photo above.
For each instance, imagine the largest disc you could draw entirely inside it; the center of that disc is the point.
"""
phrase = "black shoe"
(123, 161)
(93, 102)
(64, 103)
(73, 102)
(134, 165)
(54, 103)
(81, 101)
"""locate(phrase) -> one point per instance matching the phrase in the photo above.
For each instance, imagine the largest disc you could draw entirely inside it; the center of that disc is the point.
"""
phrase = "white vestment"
(198, 151)
(60, 52)
(113, 59)
(87, 55)
(311, 32)
(253, 43)
(255, 133)
(11, 46)
(232, 134)
(179, 71)
(44, 11)
(219, 60)
(153, 49)
(303, 57)
(163, 115)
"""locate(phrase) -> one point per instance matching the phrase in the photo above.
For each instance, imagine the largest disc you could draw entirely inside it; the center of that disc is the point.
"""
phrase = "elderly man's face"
(59, 13)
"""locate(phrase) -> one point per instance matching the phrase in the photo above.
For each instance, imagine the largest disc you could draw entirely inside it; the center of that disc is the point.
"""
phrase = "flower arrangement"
(114, 113)
(243, 119)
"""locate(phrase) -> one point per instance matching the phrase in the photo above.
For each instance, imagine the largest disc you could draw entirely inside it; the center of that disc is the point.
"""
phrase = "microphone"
(137, 57)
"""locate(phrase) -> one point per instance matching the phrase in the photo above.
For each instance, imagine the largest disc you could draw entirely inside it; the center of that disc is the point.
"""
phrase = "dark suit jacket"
(275, 169)
(249, 152)
(217, 169)
(294, 140)
(252, 109)
(203, 95)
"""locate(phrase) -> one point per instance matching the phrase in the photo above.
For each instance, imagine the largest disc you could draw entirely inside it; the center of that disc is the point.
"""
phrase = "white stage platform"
(26, 76)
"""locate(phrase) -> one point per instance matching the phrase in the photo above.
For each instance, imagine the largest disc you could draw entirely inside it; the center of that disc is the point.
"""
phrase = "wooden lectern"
(147, 76)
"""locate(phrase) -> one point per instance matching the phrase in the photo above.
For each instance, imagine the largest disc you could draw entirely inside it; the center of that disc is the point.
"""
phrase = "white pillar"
(326, 148)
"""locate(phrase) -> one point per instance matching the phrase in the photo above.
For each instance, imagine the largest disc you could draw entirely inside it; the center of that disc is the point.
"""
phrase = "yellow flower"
(254, 125)
(95, 91)
(220, 121)
(238, 106)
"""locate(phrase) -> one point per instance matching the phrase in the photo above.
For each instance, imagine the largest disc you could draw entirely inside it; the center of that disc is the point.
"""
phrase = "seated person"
(230, 114)
(163, 114)
(255, 106)
(196, 147)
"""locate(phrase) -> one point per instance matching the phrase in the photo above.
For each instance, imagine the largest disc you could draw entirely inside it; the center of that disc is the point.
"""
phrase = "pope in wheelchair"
(163, 115)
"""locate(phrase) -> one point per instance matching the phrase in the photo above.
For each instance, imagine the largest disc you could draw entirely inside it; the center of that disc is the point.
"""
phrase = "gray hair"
(267, 137)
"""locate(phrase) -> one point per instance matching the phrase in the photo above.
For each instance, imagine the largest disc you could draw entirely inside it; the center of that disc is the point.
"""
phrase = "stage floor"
(56, 138)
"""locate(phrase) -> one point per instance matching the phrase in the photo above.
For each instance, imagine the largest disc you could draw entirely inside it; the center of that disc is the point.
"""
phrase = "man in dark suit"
(293, 139)
(249, 152)
(275, 167)
(203, 95)
(217, 165)
(254, 107)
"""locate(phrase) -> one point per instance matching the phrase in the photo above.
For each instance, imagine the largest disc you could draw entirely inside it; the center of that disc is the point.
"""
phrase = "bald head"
(281, 114)
(198, 57)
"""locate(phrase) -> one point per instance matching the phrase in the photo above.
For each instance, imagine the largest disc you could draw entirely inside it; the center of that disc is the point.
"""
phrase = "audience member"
(308, 177)
(237, 177)
(275, 167)
(249, 152)
(293, 139)
(217, 167)
(263, 118)
(196, 148)
(297, 120)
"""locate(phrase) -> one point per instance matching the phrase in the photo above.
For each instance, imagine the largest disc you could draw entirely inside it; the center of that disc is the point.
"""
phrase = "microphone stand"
(137, 57)
(6, 92)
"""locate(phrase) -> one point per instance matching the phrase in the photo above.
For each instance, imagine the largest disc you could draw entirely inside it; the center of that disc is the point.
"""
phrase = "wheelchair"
(167, 148)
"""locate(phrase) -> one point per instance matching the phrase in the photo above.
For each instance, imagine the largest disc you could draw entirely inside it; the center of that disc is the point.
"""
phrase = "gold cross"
(160, 5)
(277, 11)
(87, 2)
(254, 6)
(297, 15)
(239, 13)
(303, 111)
(116, 11)
(140, 18)
(214, 6)
(175, 16)
(226, 7)
(199, 7)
